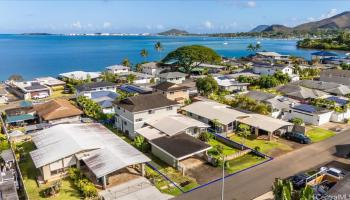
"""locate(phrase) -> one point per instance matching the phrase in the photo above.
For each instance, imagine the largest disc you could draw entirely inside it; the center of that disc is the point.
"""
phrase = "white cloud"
(77, 25)
(208, 24)
(251, 4)
(330, 13)
(107, 24)
(159, 26)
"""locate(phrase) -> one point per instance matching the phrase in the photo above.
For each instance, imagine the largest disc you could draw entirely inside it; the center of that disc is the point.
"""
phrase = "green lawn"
(318, 134)
(29, 172)
(244, 162)
(227, 150)
(266, 147)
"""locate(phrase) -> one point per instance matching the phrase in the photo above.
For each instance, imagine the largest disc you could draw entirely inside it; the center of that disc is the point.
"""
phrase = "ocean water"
(34, 56)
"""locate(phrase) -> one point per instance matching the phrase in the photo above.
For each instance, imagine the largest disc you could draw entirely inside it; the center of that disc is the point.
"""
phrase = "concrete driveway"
(257, 181)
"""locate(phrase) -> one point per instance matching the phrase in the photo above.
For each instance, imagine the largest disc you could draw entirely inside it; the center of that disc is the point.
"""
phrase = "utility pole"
(223, 178)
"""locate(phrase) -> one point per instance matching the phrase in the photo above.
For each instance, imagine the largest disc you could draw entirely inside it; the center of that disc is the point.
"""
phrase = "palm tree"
(159, 48)
(258, 47)
(243, 132)
(251, 47)
(282, 190)
(216, 124)
(126, 62)
(144, 54)
(131, 78)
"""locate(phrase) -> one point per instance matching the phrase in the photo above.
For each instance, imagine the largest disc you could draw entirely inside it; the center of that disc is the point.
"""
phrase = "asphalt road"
(257, 181)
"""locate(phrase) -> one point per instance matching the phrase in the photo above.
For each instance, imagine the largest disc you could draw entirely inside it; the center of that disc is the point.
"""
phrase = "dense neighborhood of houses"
(119, 129)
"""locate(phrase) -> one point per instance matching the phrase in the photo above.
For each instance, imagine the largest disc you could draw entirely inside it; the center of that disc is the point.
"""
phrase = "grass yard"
(318, 134)
(29, 173)
(266, 147)
(227, 149)
(244, 162)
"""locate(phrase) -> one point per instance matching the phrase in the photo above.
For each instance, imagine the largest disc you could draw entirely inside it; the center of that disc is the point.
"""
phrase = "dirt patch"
(204, 173)
(192, 162)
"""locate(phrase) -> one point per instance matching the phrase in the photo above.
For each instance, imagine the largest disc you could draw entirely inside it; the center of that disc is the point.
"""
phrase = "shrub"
(257, 148)
(297, 121)
(84, 185)
(206, 136)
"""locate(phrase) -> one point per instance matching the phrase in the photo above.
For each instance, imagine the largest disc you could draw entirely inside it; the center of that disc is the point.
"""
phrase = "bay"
(48, 55)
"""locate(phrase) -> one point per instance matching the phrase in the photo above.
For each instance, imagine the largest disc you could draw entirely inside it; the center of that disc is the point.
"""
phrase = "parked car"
(298, 137)
(337, 173)
(299, 180)
(40, 96)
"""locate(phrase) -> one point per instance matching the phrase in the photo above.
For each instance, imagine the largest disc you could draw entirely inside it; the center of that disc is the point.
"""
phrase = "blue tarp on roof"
(19, 118)
(306, 108)
(324, 53)
(338, 100)
(25, 104)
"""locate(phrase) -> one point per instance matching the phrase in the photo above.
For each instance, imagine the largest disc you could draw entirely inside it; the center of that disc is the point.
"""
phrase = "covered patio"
(264, 125)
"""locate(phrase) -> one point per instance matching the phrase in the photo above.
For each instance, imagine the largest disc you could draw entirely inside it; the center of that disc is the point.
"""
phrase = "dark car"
(298, 137)
(299, 181)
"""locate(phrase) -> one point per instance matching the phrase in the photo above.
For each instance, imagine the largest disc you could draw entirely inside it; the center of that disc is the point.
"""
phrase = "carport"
(265, 123)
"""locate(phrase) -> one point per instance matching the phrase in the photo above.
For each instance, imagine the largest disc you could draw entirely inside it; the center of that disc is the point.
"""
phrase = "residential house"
(336, 76)
(96, 151)
(230, 84)
(343, 114)
(153, 68)
(134, 112)
(328, 87)
(118, 69)
(270, 69)
(300, 93)
(310, 114)
(224, 119)
(271, 55)
(8, 176)
(51, 82)
(29, 89)
(140, 78)
(320, 55)
(105, 99)
(87, 88)
(57, 111)
(20, 114)
(3, 94)
(191, 85)
(172, 91)
(172, 77)
(81, 75)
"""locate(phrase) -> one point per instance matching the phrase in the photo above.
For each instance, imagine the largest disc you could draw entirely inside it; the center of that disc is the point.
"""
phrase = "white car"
(40, 96)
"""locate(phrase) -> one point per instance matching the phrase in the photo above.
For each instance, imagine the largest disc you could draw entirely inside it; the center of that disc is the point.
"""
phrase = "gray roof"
(8, 190)
(213, 110)
(94, 85)
(145, 102)
(172, 75)
(7, 155)
(259, 96)
(180, 145)
(105, 151)
(341, 188)
(328, 87)
(300, 92)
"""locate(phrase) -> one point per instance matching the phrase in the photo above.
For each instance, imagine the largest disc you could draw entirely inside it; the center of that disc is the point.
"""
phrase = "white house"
(117, 69)
(172, 77)
(81, 75)
(151, 68)
(230, 84)
(270, 69)
(29, 89)
(134, 112)
(310, 114)
(87, 88)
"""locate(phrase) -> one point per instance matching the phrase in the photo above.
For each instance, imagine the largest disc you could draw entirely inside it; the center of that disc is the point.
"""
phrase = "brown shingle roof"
(56, 109)
(167, 87)
(145, 102)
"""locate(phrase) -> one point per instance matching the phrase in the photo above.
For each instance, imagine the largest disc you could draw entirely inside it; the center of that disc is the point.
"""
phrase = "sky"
(153, 16)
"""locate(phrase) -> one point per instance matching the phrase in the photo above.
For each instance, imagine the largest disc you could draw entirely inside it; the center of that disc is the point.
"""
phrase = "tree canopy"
(190, 57)
(207, 85)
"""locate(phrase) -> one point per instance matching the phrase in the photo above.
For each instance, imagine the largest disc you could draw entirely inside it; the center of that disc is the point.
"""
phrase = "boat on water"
(225, 43)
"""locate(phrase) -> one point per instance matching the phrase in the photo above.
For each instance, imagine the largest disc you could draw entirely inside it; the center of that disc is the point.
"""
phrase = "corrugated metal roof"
(108, 152)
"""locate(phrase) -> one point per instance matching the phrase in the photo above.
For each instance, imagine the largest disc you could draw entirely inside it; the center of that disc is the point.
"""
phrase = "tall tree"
(144, 54)
(243, 132)
(15, 77)
(159, 48)
(207, 85)
(193, 56)
(126, 62)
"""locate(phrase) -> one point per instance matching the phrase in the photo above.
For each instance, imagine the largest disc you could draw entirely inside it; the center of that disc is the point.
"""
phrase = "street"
(257, 181)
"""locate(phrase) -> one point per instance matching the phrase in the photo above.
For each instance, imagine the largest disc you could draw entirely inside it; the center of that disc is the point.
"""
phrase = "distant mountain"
(277, 28)
(174, 32)
(259, 28)
(340, 21)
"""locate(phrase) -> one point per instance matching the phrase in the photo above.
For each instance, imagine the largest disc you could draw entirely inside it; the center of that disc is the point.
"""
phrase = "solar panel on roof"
(338, 100)
(305, 108)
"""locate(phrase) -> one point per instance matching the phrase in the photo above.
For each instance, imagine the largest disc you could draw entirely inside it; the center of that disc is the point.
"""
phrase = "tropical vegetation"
(91, 108)
(338, 42)
(266, 81)
(84, 185)
(243, 131)
(283, 190)
(190, 57)
(207, 85)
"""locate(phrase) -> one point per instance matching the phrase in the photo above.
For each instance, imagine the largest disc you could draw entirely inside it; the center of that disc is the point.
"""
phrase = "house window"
(151, 111)
(169, 108)
(124, 122)
(138, 120)
(57, 171)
